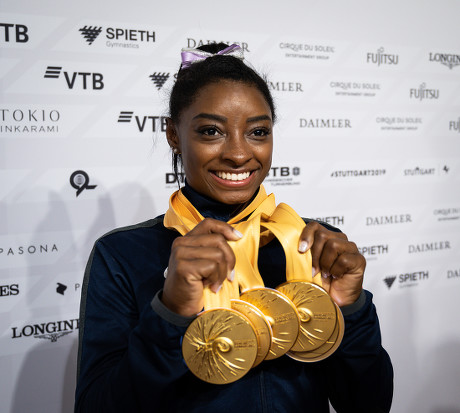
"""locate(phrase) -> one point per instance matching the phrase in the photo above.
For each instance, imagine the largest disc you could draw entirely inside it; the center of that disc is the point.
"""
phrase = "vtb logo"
(158, 122)
(86, 80)
(18, 33)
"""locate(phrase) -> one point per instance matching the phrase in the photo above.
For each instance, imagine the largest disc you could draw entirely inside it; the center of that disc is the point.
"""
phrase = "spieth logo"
(125, 38)
(382, 58)
(14, 32)
(372, 252)
(285, 86)
(29, 120)
(72, 79)
(333, 220)
(423, 93)
(90, 33)
(449, 60)
(410, 279)
(50, 331)
(193, 43)
(158, 122)
(454, 125)
(159, 79)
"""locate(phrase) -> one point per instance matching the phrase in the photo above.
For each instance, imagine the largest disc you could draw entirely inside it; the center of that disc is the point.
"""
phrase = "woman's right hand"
(199, 259)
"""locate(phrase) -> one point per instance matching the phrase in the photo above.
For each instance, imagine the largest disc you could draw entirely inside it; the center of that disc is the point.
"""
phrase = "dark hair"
(211, 70)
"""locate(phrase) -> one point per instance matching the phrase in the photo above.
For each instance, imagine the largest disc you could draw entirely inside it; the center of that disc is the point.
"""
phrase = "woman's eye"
(210, 131)
(261, 132)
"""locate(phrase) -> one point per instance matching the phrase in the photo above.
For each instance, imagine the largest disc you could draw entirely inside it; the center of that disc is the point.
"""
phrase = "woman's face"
(225, 138)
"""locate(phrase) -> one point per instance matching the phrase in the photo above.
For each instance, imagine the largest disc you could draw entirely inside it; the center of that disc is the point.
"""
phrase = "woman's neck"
(210, 208)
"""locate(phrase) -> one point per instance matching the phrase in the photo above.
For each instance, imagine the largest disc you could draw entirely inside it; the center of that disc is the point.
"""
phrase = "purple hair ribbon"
(190, 56)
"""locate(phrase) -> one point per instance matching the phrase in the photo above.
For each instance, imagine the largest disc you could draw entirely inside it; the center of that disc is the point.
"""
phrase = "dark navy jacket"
(130, 344)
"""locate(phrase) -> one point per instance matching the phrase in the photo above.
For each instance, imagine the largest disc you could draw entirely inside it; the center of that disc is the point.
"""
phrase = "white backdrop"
(368, 139)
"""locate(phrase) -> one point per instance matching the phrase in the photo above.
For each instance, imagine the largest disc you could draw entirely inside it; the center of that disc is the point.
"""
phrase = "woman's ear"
(172, 136)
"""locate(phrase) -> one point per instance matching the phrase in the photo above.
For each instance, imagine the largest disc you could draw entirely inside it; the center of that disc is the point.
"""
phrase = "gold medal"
(261, 326)
(281, 314)
(329, 347)
(316, 310)
(220, 346)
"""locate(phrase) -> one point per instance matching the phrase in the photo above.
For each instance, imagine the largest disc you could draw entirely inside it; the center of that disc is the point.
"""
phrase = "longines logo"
(453, 273)
(334, 220)
(358, 173)
(79, 180)
(423, 93)
(449, 60)
(84, 80)
(29, 121)
(14, 33)
(409, 279)
(447, 214)
(32, 249)
(401, 123)
(388, 219)
(355, 88)
(285, 86)
(52, 330)
(328, 123)
(307, 51)
(429, 247)
(382, 58)
(283, 175)
(454, 125)
(8, 290)
(192, 43)
(159, 79)
(372, 252)
(118, 37)
(158, 123)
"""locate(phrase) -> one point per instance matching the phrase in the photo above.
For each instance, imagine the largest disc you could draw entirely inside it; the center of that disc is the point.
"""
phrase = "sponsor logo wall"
(367, 140)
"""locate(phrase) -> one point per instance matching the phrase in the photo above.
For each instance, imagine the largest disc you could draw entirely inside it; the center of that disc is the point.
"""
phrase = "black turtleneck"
(271, 261)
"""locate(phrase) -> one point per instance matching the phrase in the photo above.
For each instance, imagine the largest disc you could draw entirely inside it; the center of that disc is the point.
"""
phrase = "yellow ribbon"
(183, 217)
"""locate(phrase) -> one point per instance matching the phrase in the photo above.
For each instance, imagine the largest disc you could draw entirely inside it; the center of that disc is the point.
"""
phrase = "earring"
(176, 151)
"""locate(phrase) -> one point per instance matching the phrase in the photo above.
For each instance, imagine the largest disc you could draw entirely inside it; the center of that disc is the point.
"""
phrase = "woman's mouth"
(231, 176)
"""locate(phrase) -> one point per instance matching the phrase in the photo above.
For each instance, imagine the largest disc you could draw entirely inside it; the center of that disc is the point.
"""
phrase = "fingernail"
(314, 271)
(231, 276)
(303, 246)
(324, 274)
(218, 289)
(238, 233)
(165, 274)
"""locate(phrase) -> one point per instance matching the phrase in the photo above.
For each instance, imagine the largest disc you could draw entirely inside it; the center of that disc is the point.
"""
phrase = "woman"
(144, 284)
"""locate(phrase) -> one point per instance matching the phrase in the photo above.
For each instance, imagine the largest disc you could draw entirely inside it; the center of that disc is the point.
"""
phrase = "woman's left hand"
(341, 264)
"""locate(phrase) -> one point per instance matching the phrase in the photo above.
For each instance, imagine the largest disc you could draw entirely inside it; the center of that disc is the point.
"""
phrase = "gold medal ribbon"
(183, 217)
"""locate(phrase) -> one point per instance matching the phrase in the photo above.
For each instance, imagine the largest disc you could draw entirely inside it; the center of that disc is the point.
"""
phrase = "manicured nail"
(324, 274)
(238, 233)
(303, 246)
(231, 276)
(165, 274)
(314, 271)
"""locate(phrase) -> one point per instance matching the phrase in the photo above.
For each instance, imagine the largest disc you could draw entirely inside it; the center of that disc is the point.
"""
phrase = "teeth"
(233, 177)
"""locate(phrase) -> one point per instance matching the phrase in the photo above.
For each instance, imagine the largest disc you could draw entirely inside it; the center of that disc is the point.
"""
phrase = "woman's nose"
(236, 149)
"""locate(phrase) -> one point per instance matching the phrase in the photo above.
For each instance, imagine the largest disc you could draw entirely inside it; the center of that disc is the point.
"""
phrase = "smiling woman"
(146, 285)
